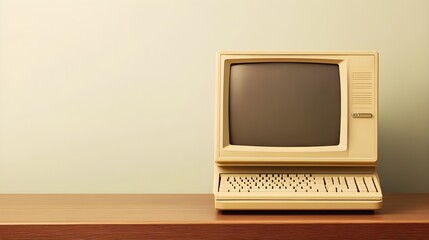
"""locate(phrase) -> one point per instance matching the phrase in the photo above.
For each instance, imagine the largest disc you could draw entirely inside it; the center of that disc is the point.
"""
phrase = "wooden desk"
(193, 217)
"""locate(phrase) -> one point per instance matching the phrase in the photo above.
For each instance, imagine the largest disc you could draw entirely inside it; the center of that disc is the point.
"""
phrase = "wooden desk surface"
(193, 216)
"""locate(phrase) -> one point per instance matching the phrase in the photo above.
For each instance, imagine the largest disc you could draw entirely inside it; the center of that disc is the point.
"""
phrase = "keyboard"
(298, 184)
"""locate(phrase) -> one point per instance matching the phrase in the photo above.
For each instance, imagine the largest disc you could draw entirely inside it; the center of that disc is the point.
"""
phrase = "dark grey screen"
(284, 104)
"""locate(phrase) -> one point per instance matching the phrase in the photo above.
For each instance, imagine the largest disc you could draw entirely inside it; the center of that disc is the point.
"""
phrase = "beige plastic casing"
(358, 137)
(356, 152)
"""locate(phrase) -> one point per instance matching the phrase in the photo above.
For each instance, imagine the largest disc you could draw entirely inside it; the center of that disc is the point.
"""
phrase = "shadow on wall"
(404, 154)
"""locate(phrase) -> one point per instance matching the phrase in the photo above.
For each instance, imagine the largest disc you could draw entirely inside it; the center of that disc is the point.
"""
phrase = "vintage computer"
(296, 131)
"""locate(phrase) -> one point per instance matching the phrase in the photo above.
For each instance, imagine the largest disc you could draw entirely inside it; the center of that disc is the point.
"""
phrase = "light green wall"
(118, 96)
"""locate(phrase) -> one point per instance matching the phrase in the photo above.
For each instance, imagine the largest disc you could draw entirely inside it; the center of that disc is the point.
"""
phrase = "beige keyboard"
(275, 183)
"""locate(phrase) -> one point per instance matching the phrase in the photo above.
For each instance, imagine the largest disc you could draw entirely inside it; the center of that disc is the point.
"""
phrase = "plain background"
(100, 96)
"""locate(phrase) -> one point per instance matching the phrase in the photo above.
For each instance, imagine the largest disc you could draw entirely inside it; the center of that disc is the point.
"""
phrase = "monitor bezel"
(224, 124)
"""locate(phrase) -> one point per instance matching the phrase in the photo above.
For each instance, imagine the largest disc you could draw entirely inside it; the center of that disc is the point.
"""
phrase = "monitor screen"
(284, 104)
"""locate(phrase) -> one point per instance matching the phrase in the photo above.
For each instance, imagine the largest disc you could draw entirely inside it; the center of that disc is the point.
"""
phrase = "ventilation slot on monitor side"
(362, 89)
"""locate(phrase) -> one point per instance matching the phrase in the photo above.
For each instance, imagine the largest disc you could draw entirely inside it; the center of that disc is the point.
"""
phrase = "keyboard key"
(369, 184)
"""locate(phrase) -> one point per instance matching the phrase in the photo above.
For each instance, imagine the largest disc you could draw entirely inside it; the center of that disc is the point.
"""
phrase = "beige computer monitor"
(355, 113)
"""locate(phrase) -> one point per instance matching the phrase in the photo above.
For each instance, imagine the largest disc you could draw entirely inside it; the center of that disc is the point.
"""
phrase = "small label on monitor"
(362, 115)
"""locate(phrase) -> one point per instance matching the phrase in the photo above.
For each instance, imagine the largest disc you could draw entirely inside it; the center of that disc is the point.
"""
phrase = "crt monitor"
(296, 108)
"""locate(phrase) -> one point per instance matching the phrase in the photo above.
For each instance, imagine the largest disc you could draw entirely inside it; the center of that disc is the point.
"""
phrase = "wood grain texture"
(194, 217)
